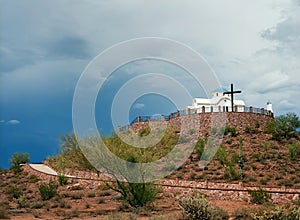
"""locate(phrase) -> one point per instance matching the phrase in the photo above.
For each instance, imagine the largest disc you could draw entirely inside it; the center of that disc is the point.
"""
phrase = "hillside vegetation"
(254, 155)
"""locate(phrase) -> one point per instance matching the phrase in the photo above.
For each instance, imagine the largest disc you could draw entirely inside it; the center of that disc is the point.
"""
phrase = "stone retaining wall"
(179, 188)
(203, 122)
(225, 191)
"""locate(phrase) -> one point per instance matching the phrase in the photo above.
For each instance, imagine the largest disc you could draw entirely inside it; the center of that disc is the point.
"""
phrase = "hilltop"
(270, 156)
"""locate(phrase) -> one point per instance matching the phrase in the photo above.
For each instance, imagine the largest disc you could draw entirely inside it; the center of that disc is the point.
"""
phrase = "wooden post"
(262, 111)
(251, 109)
(178, 113)
(203, 109)
(162, 118)
(236, 108)
(139, 119)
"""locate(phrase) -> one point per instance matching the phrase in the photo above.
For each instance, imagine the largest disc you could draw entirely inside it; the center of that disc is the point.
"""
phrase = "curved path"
(46, 169)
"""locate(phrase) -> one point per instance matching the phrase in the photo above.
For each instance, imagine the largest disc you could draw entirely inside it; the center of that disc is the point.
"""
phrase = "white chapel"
(219, 102)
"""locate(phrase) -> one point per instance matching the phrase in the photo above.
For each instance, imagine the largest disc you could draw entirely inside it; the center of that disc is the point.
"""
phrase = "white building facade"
(219, 102)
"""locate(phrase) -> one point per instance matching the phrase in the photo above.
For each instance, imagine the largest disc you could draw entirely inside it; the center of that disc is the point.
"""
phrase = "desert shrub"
(17, 159)
(259, 196)
(250, 130)
(91, 195)
(235, 158)
(219, 214)
(136, 194)
(192, 131)
(293, 213)
(105, 193)
(33, 179)
(76, 187)
(200, 147)
(294, 151)
(14, 192)
(62, 179)
(76, 196)
(284, 126)
(222, 156)
(101, 201)
(23, 202)
(230, 130)
(193, 176)
(231, 173)
(242, 214)
(278, 213)
(285, 182)
(64, 205)
(47, 191)
(263, 181)
(70, 155)
(198, 207)
(257, 124)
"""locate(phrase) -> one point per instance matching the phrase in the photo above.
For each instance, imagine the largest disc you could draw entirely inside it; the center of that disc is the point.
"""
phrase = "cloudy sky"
(46, 45)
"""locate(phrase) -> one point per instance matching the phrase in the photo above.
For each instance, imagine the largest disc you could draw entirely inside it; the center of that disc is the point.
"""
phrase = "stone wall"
(179, 188)
(225, 191)
(203, 122)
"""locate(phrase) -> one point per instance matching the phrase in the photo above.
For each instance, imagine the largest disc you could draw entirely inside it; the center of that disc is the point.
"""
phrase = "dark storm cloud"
(69, 47)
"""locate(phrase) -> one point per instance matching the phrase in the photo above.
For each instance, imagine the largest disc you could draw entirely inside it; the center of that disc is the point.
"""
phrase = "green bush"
(231, 173)
(242, 214)
(278, 213)
(259, 196)
(33, 179)
(230, 130)
(17, 159)
(62, 179)
(136, 194)
(146, 131)
(198, 207)
(250, 130)
(219, 214)
(192, 131)
(76, 196)
(48, 191)
(14, 192)
(200, 147)
(23, 202)
(294, 150)
(284, 126)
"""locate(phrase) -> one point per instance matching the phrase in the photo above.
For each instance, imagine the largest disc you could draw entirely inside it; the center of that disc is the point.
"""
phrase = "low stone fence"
(225, 191)
(179, 188)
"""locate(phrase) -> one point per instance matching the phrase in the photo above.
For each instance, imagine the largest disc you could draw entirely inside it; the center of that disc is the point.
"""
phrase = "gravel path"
(45, 169)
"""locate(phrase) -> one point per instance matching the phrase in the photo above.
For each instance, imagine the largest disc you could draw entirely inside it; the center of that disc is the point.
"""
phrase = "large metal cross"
(232, 92)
